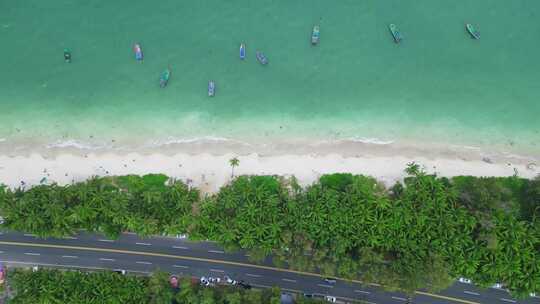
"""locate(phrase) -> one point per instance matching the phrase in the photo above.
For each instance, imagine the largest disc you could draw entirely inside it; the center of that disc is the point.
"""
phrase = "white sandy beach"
(210, 171)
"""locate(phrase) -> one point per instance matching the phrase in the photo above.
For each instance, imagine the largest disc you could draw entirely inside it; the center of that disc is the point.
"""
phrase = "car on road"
(330, 280)
(244, 285)
(230, 281)
(35, 268)
(497, 286)
(204, 281)
(120, 271)
(465, 280)
(330, 299)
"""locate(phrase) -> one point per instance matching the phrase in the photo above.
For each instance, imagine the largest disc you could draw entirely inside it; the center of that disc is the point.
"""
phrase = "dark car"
(244, 285)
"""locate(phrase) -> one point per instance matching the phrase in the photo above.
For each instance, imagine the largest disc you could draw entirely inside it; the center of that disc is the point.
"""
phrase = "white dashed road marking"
(179, 247)
(31, 253)
(144, 263)
(180, 266)
(216, 270)
(508, 300)
(69, 256)
(216, 251)
(471, 293)
(399, 299)
(361, 291)
(253, 275)
(108, 241)
(325, 286)
(144, 244)
(104, 259)
(289, 280)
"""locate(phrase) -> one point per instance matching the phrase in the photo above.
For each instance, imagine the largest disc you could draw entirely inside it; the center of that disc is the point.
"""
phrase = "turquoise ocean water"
(439, 85)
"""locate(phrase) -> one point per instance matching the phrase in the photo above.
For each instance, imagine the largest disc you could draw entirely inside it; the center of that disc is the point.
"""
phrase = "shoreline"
(206, 164)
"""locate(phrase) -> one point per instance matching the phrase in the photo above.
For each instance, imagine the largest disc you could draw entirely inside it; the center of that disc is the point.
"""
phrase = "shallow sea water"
(439, 85)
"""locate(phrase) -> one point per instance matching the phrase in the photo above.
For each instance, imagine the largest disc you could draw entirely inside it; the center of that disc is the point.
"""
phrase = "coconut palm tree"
(234, 162)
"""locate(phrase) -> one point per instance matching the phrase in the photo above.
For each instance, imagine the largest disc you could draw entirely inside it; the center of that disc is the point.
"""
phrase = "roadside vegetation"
(422, 233)
(74, 287)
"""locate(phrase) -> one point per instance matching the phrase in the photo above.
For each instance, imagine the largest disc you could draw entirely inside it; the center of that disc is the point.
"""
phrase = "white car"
(230, 281)
(465, 280)
(533, 295)
(497, 286)
(35, 268)
(204, 281)
(330, 299)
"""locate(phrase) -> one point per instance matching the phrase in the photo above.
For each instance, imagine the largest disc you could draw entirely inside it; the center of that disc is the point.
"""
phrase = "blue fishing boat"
(138, 52)
(242, 51)
(395, 33)
(261, 58)
(472, 31)
(164, 78)
(211, 88)
(67, 55)
(315, 35)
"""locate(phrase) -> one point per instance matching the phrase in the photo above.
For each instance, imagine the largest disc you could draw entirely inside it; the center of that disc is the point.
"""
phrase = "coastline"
(205, 163)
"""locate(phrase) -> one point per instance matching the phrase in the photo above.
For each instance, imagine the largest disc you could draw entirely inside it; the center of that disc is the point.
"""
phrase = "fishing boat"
(261, 58)
(211, 88)
(164, 78)
(138, 52)
(472, 31)
(67, 55)
(315, 35)
(395, 33)
(242, 51)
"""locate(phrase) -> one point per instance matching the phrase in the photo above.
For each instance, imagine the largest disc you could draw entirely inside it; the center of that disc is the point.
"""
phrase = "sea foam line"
(204, 139)
(72, 143)
(374, 141)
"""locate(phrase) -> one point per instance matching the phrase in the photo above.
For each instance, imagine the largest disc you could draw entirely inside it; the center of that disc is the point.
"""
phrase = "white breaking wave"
(374, 141)
(204, 139)
(72, 143)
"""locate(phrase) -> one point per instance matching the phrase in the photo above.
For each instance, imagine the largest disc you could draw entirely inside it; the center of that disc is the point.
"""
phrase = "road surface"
(180, 256)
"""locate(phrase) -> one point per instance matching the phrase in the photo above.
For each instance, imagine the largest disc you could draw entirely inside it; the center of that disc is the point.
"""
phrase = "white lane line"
(29, 235)
(216, 251)
(253, 275)
(68, 266)
(289, 280)
(144, 263)
(31, 253)
(1, 252)
(399, 299)
(70, 257)
(374, 284)
(508, 300)
(130, 233)
(471, 293)
(70, 238)
(325, 286)
(247, 255)
(104, 259)
(216, 270)
(180, 266)
(108, 241)
(144, 244)
(361, 291)
(179, 247)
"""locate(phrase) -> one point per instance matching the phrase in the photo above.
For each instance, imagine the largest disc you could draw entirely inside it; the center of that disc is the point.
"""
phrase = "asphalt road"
(180, 256)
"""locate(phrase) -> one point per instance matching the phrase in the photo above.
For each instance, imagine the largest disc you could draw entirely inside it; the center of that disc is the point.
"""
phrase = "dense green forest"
(74, 287)
(422, 233)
